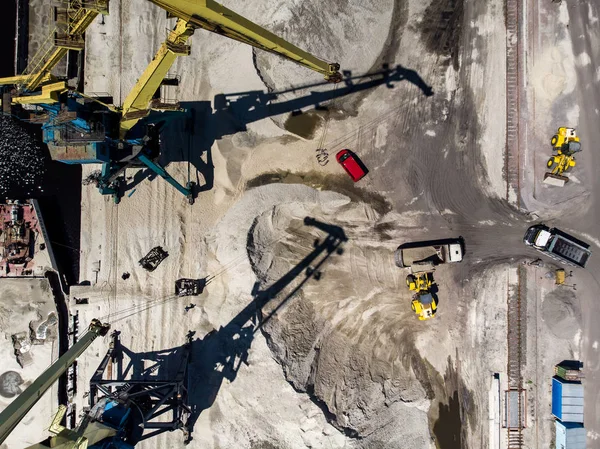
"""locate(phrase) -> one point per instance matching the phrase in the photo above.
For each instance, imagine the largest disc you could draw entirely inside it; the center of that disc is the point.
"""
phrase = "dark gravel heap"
(22, 160)
(9, 384)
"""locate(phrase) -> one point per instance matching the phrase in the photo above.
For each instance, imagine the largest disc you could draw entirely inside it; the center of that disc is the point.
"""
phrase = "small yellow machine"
(566, 144)
(560, 276)
(423, 303)
(563, 137)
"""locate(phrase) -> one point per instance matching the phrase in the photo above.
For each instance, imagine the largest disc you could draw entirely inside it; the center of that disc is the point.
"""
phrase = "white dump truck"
(424, 256)
(558, 245)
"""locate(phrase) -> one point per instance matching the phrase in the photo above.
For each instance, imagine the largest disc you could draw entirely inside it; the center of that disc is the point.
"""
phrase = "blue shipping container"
(570, 435)
(567, 400)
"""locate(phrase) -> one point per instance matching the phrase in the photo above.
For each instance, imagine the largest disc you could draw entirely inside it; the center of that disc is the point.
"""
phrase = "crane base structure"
(132, 404)
(81, 129)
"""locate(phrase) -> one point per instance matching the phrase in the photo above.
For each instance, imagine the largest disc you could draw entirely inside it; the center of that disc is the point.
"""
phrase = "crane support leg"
(214, 17)
(188, 190)
(136, 105)
(17, 409)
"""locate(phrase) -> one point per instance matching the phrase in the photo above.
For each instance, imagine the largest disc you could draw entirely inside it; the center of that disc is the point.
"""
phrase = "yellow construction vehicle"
(423, 303)
(563, 137)
(565, 143)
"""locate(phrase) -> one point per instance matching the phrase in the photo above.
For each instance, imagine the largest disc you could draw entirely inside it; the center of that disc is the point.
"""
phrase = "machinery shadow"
(437, 242)
(190, 137)
(571, 364)
(161, 364)
(219, 355)
(151, 386)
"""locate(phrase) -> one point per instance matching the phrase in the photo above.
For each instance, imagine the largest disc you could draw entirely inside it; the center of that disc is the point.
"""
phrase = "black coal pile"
(22, 160)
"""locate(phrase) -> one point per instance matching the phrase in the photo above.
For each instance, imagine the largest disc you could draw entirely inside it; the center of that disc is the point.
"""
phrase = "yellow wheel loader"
(566, 144)
(563, 137)
(423, 303)
(419, 281)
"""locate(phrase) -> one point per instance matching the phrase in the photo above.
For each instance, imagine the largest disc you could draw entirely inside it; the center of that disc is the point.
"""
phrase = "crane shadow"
(190, 136)
(183, 381)
(219, 355)
(147, 392)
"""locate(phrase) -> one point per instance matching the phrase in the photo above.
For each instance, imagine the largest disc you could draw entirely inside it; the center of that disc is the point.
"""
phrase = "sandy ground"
(561, 73)
(411, 366)
(343, 357)
(16, 316)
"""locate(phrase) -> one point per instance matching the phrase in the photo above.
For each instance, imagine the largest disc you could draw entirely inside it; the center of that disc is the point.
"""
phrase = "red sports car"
(352, 164)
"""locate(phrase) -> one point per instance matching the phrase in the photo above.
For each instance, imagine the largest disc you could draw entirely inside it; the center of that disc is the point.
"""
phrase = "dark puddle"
(303, 124)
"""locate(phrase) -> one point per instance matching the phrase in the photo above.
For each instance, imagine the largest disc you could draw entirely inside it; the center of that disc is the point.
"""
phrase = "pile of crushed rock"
(22, 161)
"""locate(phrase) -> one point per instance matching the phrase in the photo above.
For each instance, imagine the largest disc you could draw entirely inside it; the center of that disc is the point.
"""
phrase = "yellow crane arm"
(135, 106)
(80, 16)
(81, 22)
(19, 79)
(212, 16)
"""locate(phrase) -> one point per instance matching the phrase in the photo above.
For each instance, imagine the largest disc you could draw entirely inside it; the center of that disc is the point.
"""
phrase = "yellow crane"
(191, 14)
(113, 145)
(73, 19)
(211, 16)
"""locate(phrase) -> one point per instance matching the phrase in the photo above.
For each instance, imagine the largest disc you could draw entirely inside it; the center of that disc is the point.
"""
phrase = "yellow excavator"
(565, 143)
(423, 303)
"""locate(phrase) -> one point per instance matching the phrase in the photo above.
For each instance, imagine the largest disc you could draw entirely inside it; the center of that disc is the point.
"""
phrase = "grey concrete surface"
(585, 35)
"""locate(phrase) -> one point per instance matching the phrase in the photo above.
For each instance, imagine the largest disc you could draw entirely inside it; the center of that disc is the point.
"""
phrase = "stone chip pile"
(22, 161)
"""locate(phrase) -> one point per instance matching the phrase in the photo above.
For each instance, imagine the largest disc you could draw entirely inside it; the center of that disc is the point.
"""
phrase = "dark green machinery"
(16, 410)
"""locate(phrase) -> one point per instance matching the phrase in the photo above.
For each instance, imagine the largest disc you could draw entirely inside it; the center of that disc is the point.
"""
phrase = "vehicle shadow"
(219, 355)
(571, 364)
(190, 136)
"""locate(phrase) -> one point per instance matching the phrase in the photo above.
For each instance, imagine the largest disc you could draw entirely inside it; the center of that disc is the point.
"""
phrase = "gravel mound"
(338, 340)
(561, 313)
(9, 384)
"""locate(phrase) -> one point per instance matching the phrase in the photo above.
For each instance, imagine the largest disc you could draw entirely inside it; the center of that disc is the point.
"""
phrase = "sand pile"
(561, 313)
(338, 328)
(344, 40)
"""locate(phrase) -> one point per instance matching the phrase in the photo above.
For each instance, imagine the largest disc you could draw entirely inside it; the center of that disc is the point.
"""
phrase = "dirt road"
(585, 35)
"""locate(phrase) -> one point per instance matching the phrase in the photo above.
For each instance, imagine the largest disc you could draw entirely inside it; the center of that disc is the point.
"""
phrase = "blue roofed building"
(567, 401)
(570, 435)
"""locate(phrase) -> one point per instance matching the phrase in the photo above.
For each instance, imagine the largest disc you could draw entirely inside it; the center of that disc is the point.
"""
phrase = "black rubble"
(22, 161)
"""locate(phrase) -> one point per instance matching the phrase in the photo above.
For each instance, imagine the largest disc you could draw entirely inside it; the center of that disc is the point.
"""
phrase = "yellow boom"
(211, 16)
(136, 105)
(214, 17)
(191, 14)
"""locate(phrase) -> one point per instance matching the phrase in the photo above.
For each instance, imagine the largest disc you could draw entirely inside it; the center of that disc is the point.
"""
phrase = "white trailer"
(424, 257)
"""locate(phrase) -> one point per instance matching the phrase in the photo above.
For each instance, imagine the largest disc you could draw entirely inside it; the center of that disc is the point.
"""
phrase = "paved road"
(586, 39)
